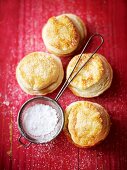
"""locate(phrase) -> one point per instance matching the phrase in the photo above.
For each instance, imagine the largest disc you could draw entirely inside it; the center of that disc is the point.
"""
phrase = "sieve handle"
(71, 77)
(20, 141)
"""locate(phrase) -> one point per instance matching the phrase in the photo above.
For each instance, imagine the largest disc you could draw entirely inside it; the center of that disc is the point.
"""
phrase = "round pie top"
(61, 34)
(90, 74)
(86, 122)
(37, 70)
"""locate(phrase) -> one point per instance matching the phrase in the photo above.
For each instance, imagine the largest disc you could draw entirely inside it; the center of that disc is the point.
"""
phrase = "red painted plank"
(21, 23)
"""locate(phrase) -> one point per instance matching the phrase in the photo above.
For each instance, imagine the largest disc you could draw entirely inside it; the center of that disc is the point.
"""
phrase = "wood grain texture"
(21, 23)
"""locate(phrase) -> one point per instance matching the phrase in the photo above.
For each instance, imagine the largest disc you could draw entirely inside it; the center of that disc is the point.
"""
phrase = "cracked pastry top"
(94, 78)
(63, 34)
(86, 123)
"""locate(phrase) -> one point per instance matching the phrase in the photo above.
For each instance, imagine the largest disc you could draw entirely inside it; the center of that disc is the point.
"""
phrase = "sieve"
(51, 102)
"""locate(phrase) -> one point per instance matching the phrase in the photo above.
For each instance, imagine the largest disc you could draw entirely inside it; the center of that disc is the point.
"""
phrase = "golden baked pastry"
(80, 27)
(93, 79)
(39, 73)
(86, 123)
(64, 34)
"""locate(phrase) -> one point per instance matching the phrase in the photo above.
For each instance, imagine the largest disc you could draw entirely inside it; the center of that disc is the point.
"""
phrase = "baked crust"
(39, 73)
(93, 79)
(81, 27)
(86, 123)
(64, 34)
(60, 35)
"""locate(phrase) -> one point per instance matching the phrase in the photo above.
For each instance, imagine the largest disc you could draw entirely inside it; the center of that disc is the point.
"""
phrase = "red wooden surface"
(21, 23)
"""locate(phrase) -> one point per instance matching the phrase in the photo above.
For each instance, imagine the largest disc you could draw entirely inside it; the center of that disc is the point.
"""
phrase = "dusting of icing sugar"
(5, 100)
(40, 120)
(6, 103)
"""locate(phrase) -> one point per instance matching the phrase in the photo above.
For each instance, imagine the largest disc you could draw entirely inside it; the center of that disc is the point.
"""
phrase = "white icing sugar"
(40, 120)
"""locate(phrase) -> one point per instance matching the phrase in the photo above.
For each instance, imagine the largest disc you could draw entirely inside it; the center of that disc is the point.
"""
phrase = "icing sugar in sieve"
(40, 120)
